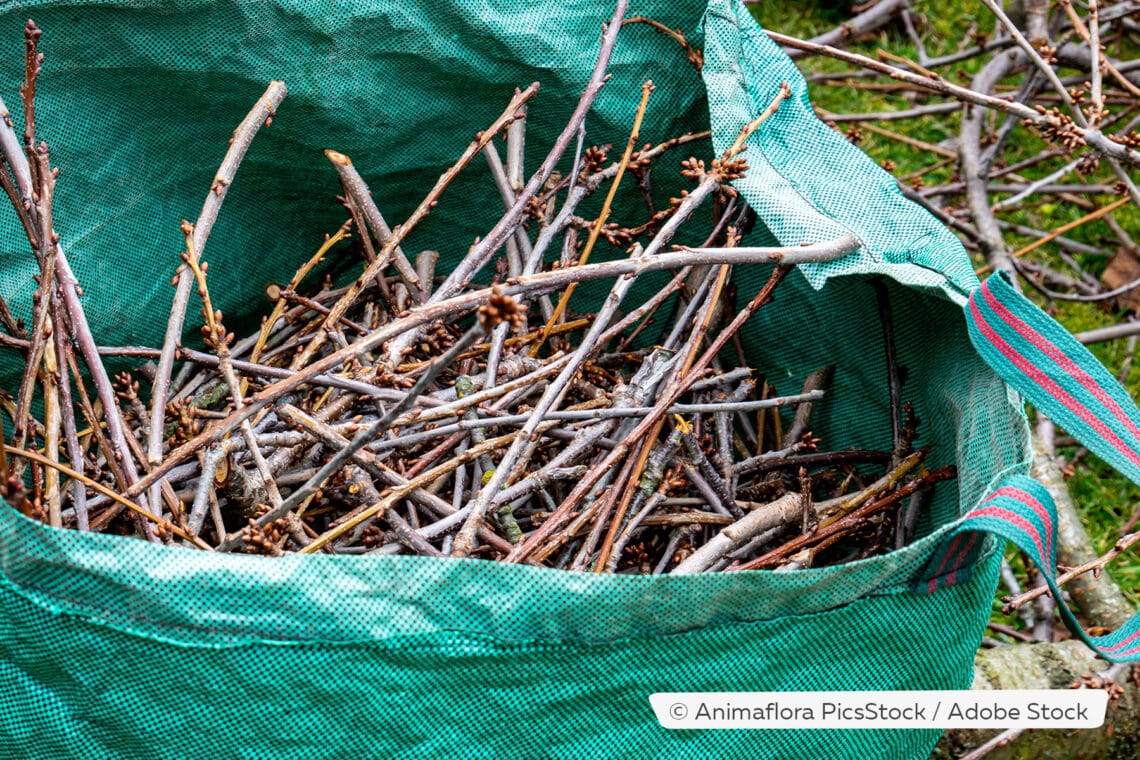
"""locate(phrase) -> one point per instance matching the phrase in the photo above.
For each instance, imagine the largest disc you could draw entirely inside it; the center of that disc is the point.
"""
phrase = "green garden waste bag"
(116, 648)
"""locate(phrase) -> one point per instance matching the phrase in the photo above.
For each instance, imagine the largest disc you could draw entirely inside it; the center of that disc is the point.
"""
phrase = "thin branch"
(878, 15)
(482, 251)
(355, 187)
(1093, 566)
(603, 215)
(138, 510)
(1048, 121)
(261, 113)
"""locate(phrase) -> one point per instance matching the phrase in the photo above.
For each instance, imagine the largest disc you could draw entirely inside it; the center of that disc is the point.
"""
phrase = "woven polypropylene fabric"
(808, 184)
(137, 101)
(115, 648)
(1022, 511)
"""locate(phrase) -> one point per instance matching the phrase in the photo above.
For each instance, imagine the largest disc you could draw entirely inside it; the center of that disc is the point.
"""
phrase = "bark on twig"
(243, 135)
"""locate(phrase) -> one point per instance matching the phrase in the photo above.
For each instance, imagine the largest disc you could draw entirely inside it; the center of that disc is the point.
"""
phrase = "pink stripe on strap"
(950, 579)
(1050, 386)
(1125, 653)
(1123, 643)
(1036, 506)
(1074, 369)
(942, 565)
(1004, 514)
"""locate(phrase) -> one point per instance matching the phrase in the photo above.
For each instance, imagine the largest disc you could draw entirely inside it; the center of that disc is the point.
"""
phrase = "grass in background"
(1105, 498)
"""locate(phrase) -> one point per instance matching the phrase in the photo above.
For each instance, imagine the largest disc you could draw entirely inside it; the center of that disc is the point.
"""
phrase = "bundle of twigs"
(407, 412)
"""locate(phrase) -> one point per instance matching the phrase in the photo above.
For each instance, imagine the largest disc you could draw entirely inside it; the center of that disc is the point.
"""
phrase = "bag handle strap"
(1045, 364)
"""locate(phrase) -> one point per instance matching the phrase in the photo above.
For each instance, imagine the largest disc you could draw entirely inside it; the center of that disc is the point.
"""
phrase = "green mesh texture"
(808, 184)
(115, 649)
(111, 647)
